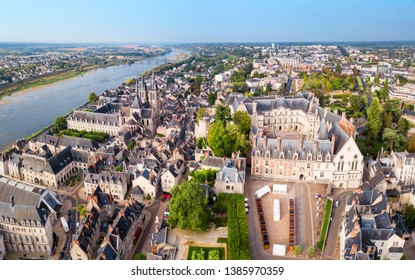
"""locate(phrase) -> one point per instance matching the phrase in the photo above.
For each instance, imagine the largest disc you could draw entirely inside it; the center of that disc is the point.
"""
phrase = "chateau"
(295, 139)
(139, 111)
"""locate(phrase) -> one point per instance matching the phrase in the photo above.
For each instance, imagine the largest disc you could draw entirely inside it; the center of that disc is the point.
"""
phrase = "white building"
(295, 139)
(26, 215)
(404, 163)
(230, 179)
(113, 183)
(404, 93)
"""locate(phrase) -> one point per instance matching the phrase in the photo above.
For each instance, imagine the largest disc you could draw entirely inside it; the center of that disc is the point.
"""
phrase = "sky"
(122, 21)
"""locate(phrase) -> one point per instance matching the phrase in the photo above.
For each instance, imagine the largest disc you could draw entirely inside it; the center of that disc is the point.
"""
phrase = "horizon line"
(215, 42)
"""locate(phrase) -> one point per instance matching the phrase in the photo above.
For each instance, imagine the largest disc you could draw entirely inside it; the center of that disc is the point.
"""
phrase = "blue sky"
(206, 21)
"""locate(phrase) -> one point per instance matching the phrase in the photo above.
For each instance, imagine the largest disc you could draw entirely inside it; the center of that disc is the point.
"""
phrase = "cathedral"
(139, 112)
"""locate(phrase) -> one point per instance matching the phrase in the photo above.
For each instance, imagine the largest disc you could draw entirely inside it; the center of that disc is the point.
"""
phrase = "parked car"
(246, 200)
(317, 195)
(337, 203)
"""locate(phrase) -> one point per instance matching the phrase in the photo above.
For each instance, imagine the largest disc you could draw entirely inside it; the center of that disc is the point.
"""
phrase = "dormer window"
(328, 158)
(295, 156)
(309, 157)
(257, 153)
(281, 155)
(267, 154)
(319, 158)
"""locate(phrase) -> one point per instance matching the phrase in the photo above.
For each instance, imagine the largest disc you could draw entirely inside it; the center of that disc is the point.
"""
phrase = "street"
(330, 251)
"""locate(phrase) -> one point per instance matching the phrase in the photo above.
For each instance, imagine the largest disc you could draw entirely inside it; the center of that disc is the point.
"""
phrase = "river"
(26, 112)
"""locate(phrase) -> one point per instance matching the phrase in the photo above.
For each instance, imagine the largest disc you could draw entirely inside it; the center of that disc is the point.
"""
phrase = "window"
(266, 162)
(321, 174)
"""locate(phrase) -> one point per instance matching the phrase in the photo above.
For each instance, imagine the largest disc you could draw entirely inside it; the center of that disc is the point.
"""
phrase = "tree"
(223, 114)
(198, 255)
(148, 196)
(188, 207)
(374, 123)
(212, 98)
(387, 119)
(201, 143)
(384, 93)
(225, 140)
(130, 145)
(130, 81)
(243, 121)
(213, 255)
(200, 113)
(376, 80)
(119, 168)
(92, 98)
(394, 107)
(393, 140)
(198, 79)
(170, 80)
(311, 251)
(297, 250)
(410, 217)
(140, 257)
(60, 124)
(403, 126)
(338, 69)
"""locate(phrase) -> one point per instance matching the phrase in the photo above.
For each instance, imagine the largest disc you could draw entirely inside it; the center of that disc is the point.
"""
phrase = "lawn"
(206, 250)
(325, 225)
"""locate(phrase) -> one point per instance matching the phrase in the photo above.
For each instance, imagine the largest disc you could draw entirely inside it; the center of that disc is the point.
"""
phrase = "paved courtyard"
(307, 226)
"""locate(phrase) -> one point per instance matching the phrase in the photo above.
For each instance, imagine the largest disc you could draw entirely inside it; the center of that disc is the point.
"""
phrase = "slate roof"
(26, 204)
(107, 119)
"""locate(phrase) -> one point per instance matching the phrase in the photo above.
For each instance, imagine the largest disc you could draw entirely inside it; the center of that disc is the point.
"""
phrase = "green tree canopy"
(188, 207)
(60, 124)
(410, 217)
(403, 126)
(130, 145)
(140, 257)
(130, 81)
(338, 69)
(201, 143)
(199, 79)
(394, 107)
(223, 114)
(394, 140)
(92, 98)
(243, 121)
(374, 122)
(225, 140)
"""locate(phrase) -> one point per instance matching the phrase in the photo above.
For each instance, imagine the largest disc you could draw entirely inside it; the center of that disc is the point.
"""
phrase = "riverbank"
(51, 78)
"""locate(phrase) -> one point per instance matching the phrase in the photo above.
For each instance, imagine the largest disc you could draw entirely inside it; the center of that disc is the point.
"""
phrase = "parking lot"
(307, 225)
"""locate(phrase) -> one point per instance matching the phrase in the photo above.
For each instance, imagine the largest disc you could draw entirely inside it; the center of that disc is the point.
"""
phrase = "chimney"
(12, 201)
(103, 256)
(254, 141)
(264, 145)
(300, 144)
(343, 114)
(333, 140)
(254, 107)
(315, 146)
(239, 164)
(278, 143)
(233, 155)
(326, 110)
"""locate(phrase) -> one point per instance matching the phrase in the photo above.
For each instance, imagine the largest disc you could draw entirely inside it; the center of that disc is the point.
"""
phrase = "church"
(139, 111)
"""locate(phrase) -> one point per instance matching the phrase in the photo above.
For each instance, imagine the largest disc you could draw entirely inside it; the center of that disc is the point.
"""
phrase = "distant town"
(234, 152)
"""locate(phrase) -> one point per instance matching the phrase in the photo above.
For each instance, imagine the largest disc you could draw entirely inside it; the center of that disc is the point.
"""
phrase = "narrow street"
(331, 251)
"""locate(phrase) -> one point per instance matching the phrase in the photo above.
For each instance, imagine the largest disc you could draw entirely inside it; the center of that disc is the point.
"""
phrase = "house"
(82, 247)
(112, 183)
(368, 231)
(170, 178)
(125, 226)
(230, 179)
(148, 181)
